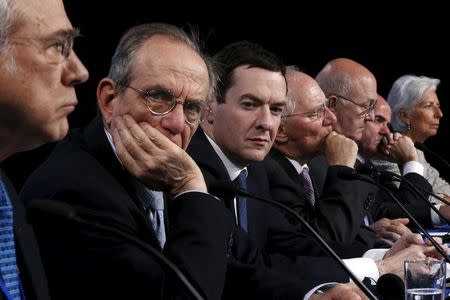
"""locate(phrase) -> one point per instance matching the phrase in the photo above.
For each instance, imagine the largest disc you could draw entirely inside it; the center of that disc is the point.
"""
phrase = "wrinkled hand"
(409, 246)
(400, 149)
(404, 242)
(347, 291)
(389, 231)
(340, 150)
(152, 158)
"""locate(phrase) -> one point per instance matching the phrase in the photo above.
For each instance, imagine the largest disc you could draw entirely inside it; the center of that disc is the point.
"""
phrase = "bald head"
(351, 89)
(341, 74)
(307, 122)
(301, 89)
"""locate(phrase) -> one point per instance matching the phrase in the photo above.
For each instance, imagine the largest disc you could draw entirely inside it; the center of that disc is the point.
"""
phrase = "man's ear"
(332, 100)
(106, 99)
(282, 137)
(211, 110)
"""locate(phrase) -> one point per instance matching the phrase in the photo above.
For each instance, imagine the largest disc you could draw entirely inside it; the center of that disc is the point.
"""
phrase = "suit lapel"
(98, 145)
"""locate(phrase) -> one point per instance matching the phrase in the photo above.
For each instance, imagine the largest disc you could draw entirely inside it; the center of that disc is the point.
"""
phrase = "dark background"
(390, 42)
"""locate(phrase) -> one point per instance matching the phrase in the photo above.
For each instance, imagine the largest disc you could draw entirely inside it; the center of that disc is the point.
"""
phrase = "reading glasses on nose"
(368, 108)
(314, 115)
(161, 102)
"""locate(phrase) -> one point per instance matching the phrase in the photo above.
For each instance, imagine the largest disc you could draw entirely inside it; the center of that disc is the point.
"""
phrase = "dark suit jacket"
(382, 204)
(29, 261)
(337, 215)
(268, 229)
(86, 262)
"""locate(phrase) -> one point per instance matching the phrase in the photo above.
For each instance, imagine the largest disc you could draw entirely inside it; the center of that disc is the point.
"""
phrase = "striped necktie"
(155, 208)
(241, 181)
(8, 264)
(308, 186)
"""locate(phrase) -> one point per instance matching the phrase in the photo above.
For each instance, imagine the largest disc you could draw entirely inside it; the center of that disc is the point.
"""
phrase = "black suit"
(268, 229)
(32, 275)
(337, 215)
(381, 204)
(84, 262)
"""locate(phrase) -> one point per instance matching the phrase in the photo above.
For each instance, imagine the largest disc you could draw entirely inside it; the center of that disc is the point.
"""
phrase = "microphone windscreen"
(390, 287)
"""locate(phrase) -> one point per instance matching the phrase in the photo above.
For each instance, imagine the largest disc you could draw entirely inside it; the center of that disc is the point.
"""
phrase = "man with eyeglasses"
(128, 170)
(351, 90)
(38, 72)
(305, 131)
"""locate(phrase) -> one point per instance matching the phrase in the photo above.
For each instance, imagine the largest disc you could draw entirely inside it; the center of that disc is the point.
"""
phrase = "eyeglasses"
(314, 115)
(161, 102)
(368, 109)
(55, 49)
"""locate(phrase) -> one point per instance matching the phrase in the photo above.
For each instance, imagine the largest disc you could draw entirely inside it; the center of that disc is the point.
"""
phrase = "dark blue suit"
(270, 235)
(337, 215)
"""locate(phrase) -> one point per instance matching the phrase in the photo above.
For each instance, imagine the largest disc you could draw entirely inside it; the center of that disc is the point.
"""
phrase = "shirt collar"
(298, 167)
(232, 169)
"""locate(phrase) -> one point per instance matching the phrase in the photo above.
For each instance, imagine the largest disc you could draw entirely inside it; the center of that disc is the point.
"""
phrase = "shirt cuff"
(435, 219)
(376, 254)
(363, 267)
(413, 167)
(327, 286)
(194, 191)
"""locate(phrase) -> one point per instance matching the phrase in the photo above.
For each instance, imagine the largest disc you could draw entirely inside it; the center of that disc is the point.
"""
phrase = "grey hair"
(8, 18)
(404, 95)
(122, 62)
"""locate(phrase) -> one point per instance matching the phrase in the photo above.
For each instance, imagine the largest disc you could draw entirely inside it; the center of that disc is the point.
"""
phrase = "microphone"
(227, 188)
(39, 208)
(390, 287)
(424, 148)
(355, 175)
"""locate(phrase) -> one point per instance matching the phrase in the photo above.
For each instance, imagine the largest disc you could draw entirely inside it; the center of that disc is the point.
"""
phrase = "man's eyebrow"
(74, 32)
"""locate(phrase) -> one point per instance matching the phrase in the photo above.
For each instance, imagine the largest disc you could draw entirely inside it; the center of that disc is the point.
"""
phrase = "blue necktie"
(8, 264)
(241, 181)
(153, 205)
(155, 202)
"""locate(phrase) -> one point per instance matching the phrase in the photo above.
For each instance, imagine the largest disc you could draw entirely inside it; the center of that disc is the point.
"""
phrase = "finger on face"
(132, 137)
(124, 155)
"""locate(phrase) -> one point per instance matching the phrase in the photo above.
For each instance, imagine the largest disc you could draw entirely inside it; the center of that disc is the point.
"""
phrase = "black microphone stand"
(318, 238)
(433, 242)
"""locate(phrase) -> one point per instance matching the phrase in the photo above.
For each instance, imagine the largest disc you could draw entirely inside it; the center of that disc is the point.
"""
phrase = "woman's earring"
(409, 127)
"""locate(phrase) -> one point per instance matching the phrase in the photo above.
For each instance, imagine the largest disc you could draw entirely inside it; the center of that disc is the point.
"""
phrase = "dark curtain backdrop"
(389, 42)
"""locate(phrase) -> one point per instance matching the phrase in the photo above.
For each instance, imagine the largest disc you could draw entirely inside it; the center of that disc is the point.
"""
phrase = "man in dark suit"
(305, 131)
(377, 142)
(351, 91)
(36, 95)
(111, 171)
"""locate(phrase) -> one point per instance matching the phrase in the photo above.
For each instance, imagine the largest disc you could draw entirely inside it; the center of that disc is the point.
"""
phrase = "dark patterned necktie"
(8, 264)
(308, 186)
(241, 181)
